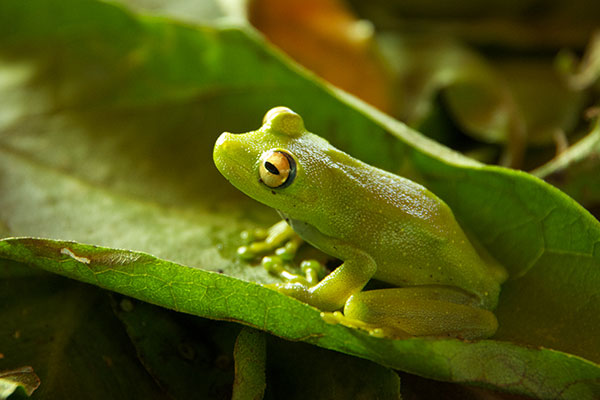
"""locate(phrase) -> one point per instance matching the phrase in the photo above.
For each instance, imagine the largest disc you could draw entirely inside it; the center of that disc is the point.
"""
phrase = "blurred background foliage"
(504, 82)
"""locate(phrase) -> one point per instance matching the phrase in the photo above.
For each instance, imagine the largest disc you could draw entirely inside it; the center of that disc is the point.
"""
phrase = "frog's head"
(276, 164)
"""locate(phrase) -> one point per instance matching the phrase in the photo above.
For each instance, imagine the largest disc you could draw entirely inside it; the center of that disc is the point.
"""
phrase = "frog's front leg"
(333, 291)
(280, 238)
(417, 311)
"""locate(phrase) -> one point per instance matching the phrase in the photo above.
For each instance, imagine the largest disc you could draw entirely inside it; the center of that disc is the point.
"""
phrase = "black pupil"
(271, 168)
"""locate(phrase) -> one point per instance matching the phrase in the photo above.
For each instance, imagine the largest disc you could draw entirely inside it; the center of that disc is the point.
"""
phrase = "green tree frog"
(380, 225)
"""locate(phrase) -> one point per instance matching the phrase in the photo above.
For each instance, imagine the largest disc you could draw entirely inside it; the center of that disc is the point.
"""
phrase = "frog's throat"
(311, 234)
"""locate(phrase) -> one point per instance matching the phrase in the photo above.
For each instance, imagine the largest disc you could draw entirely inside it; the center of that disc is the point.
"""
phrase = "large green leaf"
(80, 349)
(106, 138)
(538, 372)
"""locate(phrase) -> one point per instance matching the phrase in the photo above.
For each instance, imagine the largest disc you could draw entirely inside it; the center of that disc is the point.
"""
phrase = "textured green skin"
(345, 207)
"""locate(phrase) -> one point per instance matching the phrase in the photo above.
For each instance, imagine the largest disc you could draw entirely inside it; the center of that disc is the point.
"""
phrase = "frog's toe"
(290, 248)
(332, 318)
(275, 266)
(313, 270)
(245, 253)
(293, 289)
(252, 250)
(285, 253)
(337, 317)
(253, 235)
(279, 239)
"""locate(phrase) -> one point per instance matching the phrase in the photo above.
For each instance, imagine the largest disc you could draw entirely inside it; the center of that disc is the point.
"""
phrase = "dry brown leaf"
(325, 37)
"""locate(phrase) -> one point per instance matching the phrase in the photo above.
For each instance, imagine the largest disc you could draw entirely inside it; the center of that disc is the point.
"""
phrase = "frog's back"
(411, 234)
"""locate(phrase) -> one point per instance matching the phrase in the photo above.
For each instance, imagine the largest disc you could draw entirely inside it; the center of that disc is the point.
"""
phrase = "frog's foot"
(312, 270)
(419, 311)
(279, 238)
(337, 317)
(297, 290)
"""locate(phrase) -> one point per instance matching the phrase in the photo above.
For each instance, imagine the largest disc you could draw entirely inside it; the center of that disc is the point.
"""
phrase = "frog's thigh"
(422, 311)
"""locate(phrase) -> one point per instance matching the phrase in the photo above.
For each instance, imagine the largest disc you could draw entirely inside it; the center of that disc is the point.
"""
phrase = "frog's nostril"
(228, 142)
(222, 140)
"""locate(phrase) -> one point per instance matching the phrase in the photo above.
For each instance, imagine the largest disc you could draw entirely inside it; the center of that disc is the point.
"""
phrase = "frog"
(437, 280)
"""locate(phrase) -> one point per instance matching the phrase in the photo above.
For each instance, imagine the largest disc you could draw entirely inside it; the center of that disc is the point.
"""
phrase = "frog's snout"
(226, 143)
(231, 153)
(223, 145)
(223, 141)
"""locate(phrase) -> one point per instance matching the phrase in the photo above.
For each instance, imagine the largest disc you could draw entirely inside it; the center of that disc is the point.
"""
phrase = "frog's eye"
(277, 169)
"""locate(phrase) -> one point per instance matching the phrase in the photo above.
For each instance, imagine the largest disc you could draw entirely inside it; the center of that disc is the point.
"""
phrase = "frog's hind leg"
(417, 311)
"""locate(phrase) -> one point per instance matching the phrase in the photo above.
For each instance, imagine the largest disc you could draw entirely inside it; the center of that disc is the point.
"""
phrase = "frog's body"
(381, 225)
(401, 225)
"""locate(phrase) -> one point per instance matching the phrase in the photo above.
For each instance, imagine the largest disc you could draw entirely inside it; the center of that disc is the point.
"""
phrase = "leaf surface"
(538, 372)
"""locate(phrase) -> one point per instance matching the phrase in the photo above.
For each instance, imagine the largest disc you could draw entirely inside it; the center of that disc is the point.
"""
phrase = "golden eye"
(277, 169)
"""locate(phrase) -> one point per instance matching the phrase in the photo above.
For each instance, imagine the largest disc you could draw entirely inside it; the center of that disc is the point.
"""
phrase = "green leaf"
(503, 365)
(249, 354)
(177, 349)
(106, 137)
